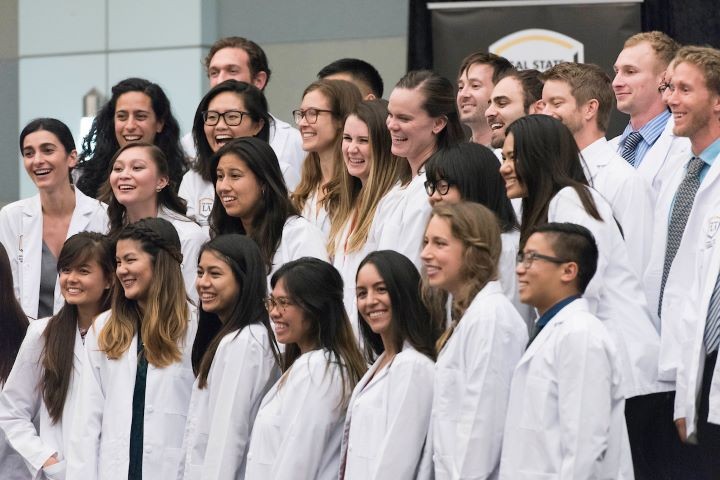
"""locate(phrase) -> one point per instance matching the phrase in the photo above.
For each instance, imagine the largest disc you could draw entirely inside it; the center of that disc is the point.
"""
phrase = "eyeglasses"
(281, 303)
(528, 258)
(311, 114)
(232, 118)
(664, 86)
(442, 187)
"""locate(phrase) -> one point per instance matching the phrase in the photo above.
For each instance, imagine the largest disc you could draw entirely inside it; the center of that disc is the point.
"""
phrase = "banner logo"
(538, 48)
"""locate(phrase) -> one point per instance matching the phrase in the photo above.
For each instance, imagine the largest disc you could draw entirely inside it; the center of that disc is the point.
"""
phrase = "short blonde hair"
(707, 59)
(663, 45)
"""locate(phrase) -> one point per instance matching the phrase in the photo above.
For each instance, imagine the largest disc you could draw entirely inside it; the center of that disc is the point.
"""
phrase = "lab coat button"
(148, 449)
(150, 409)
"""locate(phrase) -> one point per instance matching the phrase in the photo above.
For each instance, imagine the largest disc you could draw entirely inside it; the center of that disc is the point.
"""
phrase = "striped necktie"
(682, 205)
(630, 147)
(712, 324)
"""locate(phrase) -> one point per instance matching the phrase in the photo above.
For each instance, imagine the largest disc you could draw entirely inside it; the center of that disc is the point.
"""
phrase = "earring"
(158, 190)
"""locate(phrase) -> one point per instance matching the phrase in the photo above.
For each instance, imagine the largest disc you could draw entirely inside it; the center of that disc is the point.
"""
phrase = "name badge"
(711, 231)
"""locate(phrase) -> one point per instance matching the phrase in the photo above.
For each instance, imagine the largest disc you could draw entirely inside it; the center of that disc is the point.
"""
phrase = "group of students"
(394, 302)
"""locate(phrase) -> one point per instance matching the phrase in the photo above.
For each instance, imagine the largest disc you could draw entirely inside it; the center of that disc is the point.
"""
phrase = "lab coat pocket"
(171, 462)
(174, 407)
(266, 436)
(371, 431)
(449, 389)
(534, 416)
(55, 471)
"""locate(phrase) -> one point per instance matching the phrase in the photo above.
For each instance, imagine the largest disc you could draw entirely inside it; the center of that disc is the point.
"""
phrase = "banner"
(534, 34)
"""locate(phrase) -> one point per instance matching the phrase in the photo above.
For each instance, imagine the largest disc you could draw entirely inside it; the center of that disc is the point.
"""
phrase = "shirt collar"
(651, 130)
(554, 310)
(711, 152)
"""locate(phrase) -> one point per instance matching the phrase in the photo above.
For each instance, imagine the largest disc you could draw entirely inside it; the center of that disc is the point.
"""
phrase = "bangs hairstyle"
(255, 105)
(245, 261)
(411, 320)
(164, 321)
(386, 170)
(547, 160)
(274, 207)
(100, 144)
(13, 322)
(342, 98)
(59, 335)
(57, 128)
(316, 288)
(167, 197)
(474, 170)
(439, 100)
(478, 230)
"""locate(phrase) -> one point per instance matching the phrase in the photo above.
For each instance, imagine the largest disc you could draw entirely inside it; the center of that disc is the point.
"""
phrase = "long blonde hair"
(359, 205)
(342, 97)
(477, 227)
(164, 321)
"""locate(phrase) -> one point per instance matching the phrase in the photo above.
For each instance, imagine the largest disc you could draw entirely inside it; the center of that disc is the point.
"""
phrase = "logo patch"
(538, 48)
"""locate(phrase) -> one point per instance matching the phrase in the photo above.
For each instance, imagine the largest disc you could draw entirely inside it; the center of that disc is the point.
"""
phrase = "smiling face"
(638, 72)
(560, 103)
(238, 188)
(474, 89)
(289, 320)
(442, 256)
(46, 161)
(84, 284)
(218, 135)
(135, 119)
(320, 136)
(506, 106)
(514, 187)
(356, 148)
(412, 130)
(216, 285)
(134, 269)
(135, 179)
(373, 299)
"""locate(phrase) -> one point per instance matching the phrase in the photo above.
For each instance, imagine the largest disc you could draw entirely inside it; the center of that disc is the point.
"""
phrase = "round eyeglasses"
(232, 118)
(311, 114)
(281, 303)
(442, 187)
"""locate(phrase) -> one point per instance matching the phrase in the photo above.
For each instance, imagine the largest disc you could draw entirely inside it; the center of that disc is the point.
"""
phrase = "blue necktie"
(630, 147)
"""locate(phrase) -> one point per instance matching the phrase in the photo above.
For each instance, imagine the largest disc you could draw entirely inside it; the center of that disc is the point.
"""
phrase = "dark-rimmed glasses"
(442, 187)
(232, 118)
(311, 114)
(528, 258)
(664, 86)
(281, 303)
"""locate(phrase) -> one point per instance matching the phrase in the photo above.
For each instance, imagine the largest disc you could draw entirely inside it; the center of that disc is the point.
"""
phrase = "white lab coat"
(472, 385)
(284, 139)
(508, 278)
(192, 238)
(221, 415)
(663, 159)
(694, 310)
(317, 215)
(300, 238)
(566, 412)
(298, 429)
(388, 419)
(628, 193)
(676, 328)
(22, 405)
(100, 438)
(615, 295)
(21, 228)
(200, 194)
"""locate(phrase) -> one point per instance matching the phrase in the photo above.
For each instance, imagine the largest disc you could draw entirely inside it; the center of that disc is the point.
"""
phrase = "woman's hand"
(51, 461)
(682, 429)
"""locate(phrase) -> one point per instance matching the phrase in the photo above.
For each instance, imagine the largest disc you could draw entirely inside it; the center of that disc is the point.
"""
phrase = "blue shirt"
(650, 132)
(708, 156)
(550, 313)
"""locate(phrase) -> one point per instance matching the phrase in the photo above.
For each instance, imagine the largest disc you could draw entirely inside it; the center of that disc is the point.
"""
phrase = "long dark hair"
(13, 322)
(167, 197)
(59, 335)
(411, 320)
(474, 170)
(100, 144)
(317, 289)
(275, 206)
(243, 257)
(255, 104)
(547, 159)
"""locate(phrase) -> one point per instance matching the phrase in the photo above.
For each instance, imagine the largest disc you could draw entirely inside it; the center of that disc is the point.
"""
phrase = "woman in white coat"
(422, 118)
(389, 411)
(479, 351)
(231, 109)
(541, 166)
(13, 325)
(298, 429)
(136, 385)
(43, 384)
(139, 187)
(252, 199)
(33, 230)
(469, 172)
(235, 358)
(370, 174)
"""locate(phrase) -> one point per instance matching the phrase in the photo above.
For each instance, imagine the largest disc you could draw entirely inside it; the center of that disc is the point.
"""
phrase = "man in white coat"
(565, 415)
(242, 59)
(648, 142)
(581, 96)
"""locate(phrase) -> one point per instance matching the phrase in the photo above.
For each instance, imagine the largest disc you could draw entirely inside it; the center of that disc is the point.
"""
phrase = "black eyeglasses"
(528, 258)
(442, 187)
(232, 118)
(664, 86)
(281, 303)
(311, 114)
